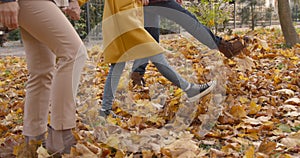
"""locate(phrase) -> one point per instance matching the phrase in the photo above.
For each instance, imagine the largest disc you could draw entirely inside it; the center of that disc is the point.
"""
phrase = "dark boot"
(137, 79)
(59, 141)
(231, 48)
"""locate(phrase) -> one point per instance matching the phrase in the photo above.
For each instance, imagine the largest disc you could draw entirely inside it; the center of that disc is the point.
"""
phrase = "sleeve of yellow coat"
(82, 2)
(124, 36)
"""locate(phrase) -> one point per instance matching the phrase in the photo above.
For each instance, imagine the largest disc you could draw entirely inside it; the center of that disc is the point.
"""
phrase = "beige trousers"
(55, 57)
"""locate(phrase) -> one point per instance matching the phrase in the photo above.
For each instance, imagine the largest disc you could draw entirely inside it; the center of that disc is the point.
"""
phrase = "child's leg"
(139, 65)
(151, 21)
(111, 85)
(167, 71)
(193, 91)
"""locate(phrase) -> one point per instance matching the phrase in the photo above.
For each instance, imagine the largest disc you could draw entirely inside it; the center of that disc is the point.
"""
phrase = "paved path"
(14, 48)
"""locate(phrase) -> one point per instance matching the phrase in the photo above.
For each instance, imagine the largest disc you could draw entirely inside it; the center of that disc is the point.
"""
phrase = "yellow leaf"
(173, 102)
(211, 23)
(231, 63)
(287, 53)
(19, 111)
(286, 156)
(277, 79)
(250, 152)
(244, 100)
(238, 111)
(118, 110)
(253, 135)
(2, 90)
(241, 77)
(294, 58)
(254, 108)
(178, 92)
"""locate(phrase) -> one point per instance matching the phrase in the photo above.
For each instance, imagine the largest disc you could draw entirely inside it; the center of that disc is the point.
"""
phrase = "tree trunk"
(252, 6)
(289, 32)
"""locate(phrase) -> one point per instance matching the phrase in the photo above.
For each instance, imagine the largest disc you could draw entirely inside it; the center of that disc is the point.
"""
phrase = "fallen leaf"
(285, 128)
(252, 121)
(292, 140)
(285, 92)
(42, 152)
(250, 152)
(254, 108)
(293, 101)
(238, 111)
(267, 147)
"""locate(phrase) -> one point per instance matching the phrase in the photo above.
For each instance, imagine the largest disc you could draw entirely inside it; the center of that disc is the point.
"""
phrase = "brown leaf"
(226, 118)
(217, 153)
(147, 154)
(267, 147)
(81, 150)
(293, 101)
(292, 140)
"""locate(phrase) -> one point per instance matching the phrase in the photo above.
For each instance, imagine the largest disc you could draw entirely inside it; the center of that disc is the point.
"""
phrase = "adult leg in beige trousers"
(55, 57)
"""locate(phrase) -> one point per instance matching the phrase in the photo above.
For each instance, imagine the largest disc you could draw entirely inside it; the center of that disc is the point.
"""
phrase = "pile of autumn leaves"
(258, 116)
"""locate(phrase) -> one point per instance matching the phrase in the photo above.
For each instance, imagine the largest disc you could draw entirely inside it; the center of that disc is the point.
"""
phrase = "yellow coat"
(124, 36)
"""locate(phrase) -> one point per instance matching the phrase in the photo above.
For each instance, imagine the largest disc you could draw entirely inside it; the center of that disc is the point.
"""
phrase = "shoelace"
(204, 86)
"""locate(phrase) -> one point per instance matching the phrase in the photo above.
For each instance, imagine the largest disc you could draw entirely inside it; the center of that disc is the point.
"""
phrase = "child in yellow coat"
(124, 38)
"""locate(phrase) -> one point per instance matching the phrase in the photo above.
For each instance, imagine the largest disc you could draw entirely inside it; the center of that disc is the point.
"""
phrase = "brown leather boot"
(39, 138)
(231, 48)
(59, 141)
(28, 149)
(137, 79)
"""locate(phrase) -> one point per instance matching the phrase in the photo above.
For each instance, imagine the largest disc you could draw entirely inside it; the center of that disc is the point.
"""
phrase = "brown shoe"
(137, 79)
(38, 139)
(30, 146)
(231, 48)
(59, 141)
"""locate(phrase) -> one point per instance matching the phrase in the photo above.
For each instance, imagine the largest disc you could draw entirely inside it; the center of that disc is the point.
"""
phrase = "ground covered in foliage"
(253, 112)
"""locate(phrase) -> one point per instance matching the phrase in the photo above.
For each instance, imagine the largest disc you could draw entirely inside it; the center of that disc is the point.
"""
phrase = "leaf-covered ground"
(253, 112)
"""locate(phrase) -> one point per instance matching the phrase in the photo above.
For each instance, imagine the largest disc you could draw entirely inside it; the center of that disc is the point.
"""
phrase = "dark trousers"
(175, 12)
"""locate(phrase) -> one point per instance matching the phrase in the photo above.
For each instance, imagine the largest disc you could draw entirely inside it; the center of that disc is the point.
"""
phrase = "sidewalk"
(12, 48)
(15, 48)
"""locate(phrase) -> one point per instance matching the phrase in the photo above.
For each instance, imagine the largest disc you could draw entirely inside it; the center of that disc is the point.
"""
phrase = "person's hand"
(145, 2)
(179, 1)
(9, 15)
(73, 10)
